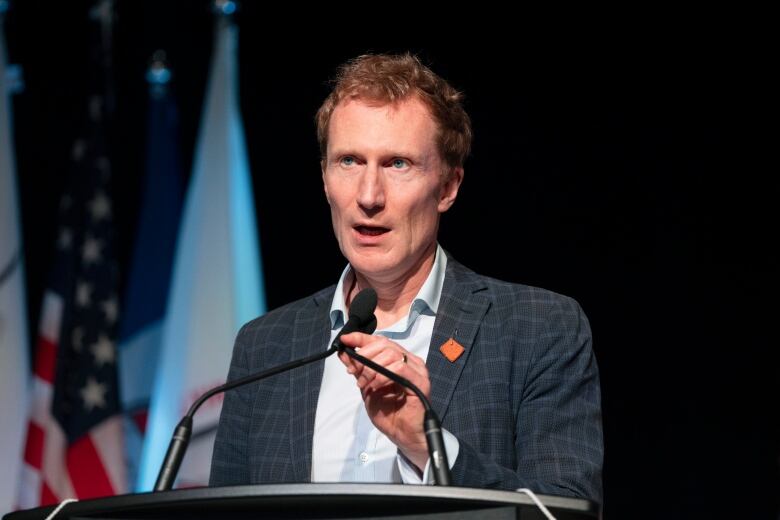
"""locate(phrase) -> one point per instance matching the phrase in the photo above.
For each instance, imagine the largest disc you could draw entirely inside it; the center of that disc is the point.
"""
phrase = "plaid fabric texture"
(523, 399)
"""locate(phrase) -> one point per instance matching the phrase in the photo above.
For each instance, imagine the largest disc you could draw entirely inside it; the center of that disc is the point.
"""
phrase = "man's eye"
(399, 163)
(347, 161)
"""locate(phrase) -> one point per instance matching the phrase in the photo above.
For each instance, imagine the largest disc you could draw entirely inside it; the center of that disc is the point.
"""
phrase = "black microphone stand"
(183, 431)
(361, 318)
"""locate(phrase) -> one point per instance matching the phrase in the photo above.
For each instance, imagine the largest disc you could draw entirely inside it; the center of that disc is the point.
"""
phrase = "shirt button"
(364, 457)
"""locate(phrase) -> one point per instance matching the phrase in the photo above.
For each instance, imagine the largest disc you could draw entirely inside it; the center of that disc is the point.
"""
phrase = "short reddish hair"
(387, 78)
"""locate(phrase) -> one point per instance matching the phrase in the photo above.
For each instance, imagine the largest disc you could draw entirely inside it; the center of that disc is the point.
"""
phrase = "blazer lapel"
(311, 334)
(459, 316)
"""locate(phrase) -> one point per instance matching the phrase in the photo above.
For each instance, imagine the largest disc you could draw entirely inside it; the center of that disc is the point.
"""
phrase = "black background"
(619, 167)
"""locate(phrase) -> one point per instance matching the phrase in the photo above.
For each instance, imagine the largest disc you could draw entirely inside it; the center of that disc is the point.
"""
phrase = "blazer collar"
(463, 305)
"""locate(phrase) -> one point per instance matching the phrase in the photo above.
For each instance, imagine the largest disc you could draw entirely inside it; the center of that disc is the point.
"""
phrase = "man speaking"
(508, 368)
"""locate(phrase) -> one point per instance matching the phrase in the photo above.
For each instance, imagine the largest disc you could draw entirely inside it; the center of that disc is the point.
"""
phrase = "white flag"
(14, 350)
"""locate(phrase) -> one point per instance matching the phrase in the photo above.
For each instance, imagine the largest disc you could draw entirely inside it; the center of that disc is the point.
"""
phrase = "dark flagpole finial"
(103, 11)
(225, 7)
(158, 74)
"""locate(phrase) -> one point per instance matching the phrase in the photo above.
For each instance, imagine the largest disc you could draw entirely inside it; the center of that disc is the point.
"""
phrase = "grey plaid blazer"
(523, 399)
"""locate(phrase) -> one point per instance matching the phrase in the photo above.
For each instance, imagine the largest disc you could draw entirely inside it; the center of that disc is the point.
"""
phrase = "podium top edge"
(357, 491)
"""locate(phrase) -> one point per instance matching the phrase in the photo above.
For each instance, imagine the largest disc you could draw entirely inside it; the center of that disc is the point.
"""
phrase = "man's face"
(384, 181)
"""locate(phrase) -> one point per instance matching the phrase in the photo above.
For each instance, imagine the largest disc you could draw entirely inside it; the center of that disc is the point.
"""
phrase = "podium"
(320, 501)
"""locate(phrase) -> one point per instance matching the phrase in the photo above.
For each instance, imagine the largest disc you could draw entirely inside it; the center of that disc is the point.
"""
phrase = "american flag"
(74, 442)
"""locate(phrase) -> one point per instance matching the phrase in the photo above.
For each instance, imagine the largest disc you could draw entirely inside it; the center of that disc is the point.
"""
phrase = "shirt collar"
(426, 301)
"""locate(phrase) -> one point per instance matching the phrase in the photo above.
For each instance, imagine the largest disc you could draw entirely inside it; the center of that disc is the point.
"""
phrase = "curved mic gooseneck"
(361, 318)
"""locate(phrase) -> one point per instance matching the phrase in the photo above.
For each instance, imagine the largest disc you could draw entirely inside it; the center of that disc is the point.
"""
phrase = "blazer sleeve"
(229, 461)
(558, 432)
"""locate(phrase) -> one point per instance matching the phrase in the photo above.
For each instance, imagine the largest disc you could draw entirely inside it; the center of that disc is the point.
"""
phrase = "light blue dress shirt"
(347, 447)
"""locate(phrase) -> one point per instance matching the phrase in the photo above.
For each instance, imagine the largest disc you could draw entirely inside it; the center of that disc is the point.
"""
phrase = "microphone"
(361, 318)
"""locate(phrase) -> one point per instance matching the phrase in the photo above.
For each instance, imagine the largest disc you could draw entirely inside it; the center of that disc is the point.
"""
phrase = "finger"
(383, 358)
(358, 339)
(353, 367)
(371, 347)
(397, 367)
(363, 373)
(361, 342)
(359, 369)
(370, 350)
(394, 395)
(384, 351)
(417, 374)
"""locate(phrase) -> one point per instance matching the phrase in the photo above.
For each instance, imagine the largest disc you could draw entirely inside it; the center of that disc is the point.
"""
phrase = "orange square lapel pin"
(452, 350)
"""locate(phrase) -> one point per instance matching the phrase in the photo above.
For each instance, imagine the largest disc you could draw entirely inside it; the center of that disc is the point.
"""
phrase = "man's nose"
(371, 191)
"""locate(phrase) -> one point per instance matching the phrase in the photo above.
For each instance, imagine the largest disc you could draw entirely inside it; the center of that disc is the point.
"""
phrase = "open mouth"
(371, 231)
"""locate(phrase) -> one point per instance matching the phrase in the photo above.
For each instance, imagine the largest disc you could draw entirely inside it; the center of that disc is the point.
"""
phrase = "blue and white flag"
(217, 283)
(146, 296)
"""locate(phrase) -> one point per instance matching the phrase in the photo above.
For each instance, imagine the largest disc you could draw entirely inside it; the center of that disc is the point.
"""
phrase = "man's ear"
(324, 184)
(449, 189)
